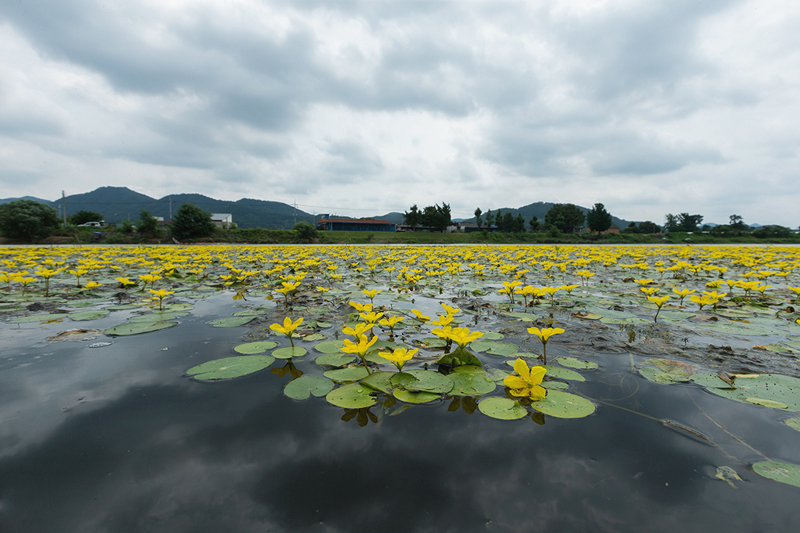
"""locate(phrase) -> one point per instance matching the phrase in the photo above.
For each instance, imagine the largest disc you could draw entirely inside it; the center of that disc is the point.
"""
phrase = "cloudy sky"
(365, 107)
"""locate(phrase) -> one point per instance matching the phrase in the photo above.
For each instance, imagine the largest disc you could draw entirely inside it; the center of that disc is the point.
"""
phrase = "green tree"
(436, 217)
(147, 223)
(737, 223)
(413, 217)
(689, 223)
(508, 222)
(519, 224)
(305, 231)
(28, 220)
(489, 219)
(566, 217)
(598, 219)
(535, 224)
(671, 223)
(648, 227)
(191, 222)
(478, 220)
(82, 217)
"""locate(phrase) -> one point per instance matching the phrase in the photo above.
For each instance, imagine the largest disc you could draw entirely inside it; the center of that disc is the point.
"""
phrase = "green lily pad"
(470, 384)
(288, 352)
(572, 362)
(123, 307)
(230, 367)
(659, 376)
(631, 320)
(481, 346)
(252, 348)
(782, 472)
(135, 328)
(37, 318)
(458, 358)
(422, 380)
(793, 423)
(335, 359)
(502, 408)
(710, 380)
(555, 385)
(783, 390)
(469, 369)
(415, 397)
(353, 396)
(380, 381)
(766, 403)
(304, 386)
(560, 404)
(432, 342)
(503, 348)
(313, 337)
(88, 315)
(329, 346)
(324, 325)
(231, 322)
(496, 375)
(344, 375)
(492, 336)
(247, 312)
(557, 372)
(157, 316)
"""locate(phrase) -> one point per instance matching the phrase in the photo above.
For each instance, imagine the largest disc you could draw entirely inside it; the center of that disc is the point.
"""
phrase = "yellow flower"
(659, 301)
(287, 328)
(125, 281)
(545, 333)
(420, 316)
(683, 293)
(442, 333)
(399, 356)
(370, 317)
(92, 285)
(643, 281)
(442, 320)
(361, 308)
(161, 294)
(450, 310)
(359, 331)
(322, 289)
(462, 336)
(527, 383)
(361, 348)
(649, 291)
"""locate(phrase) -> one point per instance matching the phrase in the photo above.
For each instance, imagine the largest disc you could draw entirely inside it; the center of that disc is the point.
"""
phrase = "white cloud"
(364, 108)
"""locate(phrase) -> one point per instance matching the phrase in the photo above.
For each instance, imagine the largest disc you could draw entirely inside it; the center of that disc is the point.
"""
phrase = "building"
(354, 224)
(222, 220)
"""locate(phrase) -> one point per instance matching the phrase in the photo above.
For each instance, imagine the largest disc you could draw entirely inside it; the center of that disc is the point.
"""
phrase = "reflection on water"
(116, 439)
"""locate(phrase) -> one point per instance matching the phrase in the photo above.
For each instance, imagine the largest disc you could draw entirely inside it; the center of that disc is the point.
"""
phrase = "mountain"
(540, 209)
(9, 200)
(394, 217)
(120, 203)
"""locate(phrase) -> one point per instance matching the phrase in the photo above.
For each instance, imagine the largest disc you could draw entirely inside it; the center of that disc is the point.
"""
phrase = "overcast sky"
(360, 108)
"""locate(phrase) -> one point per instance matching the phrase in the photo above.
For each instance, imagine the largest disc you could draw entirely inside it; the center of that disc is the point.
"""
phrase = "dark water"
(116, 439)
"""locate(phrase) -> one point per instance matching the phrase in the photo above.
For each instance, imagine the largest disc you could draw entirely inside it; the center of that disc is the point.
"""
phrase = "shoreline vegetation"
(75, 235)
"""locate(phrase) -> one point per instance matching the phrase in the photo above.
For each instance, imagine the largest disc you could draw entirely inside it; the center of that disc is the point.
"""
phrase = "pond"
(102, 431)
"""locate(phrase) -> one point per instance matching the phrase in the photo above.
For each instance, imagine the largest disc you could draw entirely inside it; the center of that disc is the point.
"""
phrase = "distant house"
(354, 224)
(613, 229)
(222, 220)
(464, 227)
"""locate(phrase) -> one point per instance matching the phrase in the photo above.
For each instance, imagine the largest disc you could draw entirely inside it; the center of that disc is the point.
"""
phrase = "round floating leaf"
(313, 337)
(251, 348)
(503, 348)
(231, 322)
(631, 320)
(793, 423)
(481, 346)
(471, 384)
(469, 369)
(524, 317)
(230, 367)
(766, 403)
(123, 307)
(495, 374)
(335, 359)
(37, 318)
(288, 352)
(433, 342)
(380, 381)
(707, 379)
(88, 315)
(492, 336)
(561, 404)
(353, 396)
(343, 375)
(555, 385)
(324, 325)
(247, 312)
(415, 397)
(502, 408)
(784, 390)
(659, 376)
(782, 472)
(135, 328)
(422, 380)
(329, 346)
(572, 362)
(304, 386)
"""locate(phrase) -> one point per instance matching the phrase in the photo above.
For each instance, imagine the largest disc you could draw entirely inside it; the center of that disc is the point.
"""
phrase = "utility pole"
(64, 207)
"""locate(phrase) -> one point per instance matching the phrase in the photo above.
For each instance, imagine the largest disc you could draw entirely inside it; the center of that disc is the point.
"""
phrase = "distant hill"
(9, 200)
(120, 203)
